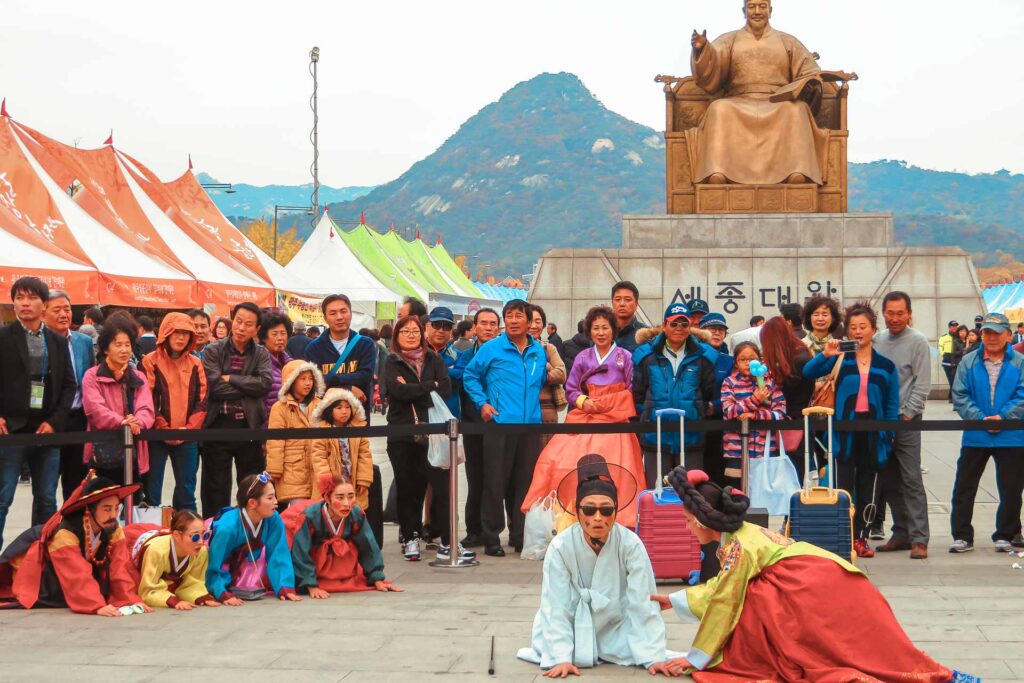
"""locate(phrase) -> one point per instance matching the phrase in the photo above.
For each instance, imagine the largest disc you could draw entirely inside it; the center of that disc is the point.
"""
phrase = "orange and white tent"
(101, 225)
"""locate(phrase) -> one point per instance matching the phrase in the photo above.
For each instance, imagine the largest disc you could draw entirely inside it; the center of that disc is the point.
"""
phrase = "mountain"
(545, 166)
(253, 201)
(548, 165)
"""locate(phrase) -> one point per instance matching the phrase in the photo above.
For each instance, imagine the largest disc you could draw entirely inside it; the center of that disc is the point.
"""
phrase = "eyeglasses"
(410, 332)
(680, 324)
(591, 510)
(262, 478)
(442, 325)
(204, 537)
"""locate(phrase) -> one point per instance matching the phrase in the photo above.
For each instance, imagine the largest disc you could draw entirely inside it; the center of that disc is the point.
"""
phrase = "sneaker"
(444, 552)
(876, 534)
(411, 549)
(961, 546)
(1003, 546)
(862, 548)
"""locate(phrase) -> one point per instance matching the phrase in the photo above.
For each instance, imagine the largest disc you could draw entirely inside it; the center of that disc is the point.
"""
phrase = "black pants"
(217, 459)
(694, 460)
(375, 512)
(412, 474)
(474, 446)
(1009, 482)
(857, 474)
(72, 468)
(510, 460)
(714, 461)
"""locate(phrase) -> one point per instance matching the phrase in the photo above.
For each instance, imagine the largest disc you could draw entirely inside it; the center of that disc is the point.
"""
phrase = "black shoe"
(471, 541)
(519, 548)
(1018, 541)
(494, 551)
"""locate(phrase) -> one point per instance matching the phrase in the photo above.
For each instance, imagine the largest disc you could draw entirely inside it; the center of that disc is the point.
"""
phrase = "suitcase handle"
(658, 478)
(809, 444)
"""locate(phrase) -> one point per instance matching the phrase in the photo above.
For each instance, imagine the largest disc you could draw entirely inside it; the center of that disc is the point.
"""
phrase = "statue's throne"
(685, 106)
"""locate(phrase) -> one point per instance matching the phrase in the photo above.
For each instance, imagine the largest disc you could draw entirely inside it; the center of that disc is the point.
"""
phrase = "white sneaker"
(411, 549)
(444, 553)
(960, 546)
(1003, 546)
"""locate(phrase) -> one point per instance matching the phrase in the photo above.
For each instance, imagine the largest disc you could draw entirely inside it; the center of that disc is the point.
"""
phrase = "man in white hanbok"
(595, 601)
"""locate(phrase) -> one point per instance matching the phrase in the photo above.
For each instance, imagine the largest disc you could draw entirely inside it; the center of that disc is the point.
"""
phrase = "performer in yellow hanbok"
(782, 610)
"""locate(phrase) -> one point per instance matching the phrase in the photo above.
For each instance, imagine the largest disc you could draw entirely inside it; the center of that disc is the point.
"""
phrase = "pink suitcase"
(674, 551)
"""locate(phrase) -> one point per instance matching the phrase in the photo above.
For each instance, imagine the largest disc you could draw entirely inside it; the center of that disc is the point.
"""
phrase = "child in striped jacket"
(745, 397)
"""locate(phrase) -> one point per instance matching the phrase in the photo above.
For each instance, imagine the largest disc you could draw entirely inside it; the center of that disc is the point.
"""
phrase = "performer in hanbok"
(78, 559)
(600, 388)
(249, 553)
(594, 604)
(170, 564)
(782, 610)
(333, 548)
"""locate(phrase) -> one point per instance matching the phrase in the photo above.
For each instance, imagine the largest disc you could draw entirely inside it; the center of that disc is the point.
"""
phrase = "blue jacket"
(468, 411)
(509, 380)
(972, 398)
(883, 399)
(356, 371)
(450, 357)
(692, 388)
(724, 363)
(230, 535)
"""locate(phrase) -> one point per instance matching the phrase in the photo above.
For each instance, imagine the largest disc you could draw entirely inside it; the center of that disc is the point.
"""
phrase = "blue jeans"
(44, 464)
(184, 463)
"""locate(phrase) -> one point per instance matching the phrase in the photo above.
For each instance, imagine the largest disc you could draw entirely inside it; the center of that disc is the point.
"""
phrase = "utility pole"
(314, 57)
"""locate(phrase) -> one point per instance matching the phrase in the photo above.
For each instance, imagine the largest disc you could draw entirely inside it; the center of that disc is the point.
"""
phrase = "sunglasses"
(442, 326)
(591, 510)
(680, 324)
(262, 478)
(204, 536)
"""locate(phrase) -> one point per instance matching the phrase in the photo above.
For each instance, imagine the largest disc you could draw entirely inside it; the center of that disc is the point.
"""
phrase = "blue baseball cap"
(441, 314)
(677, 310)
(699, 306)
(997, 322)
(713, 320)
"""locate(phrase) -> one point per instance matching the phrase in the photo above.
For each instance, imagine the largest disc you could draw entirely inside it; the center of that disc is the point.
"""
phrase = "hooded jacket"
(692, 388)
(178, 384)
(326, 453)
(507, 379)
(289, 460)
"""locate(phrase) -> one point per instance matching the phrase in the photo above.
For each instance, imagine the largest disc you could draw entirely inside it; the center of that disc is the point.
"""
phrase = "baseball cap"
(699, 306)
(299, 326)
(677, 310)
(713, 320)
(952, 323)
(979, 318)
(441, 314)
(997, 322)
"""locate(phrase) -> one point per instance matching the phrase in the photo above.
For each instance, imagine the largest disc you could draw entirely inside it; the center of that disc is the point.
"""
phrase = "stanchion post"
(745, 441)
(128, 440)
(453, 561)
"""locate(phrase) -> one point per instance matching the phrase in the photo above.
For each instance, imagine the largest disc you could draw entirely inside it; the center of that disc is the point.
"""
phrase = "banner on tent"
(302, 308)
(386, 310)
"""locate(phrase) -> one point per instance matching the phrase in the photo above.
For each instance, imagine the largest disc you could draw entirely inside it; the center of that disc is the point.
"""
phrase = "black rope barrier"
(479, 428)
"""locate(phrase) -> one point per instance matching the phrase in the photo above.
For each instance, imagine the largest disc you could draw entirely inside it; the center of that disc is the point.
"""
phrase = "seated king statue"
(761, 131)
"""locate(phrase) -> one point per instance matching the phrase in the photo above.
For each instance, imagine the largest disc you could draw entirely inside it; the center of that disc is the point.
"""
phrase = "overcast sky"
(228, 82)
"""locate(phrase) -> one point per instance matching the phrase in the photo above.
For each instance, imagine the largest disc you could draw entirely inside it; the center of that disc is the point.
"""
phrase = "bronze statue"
(758, 119)
(763, 130)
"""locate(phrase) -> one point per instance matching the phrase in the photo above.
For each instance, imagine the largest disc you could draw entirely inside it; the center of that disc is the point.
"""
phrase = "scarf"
(414, 357)
(817, 345)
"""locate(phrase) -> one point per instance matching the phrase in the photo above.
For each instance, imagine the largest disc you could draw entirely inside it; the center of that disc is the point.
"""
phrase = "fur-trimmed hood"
(333, 396)
(291, 371)
(646, 334)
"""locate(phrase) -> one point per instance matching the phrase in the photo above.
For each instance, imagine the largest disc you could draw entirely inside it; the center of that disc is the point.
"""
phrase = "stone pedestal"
(750, 264)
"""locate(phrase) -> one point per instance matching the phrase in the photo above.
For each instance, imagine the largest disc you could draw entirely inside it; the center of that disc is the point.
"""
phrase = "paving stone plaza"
(966, 611)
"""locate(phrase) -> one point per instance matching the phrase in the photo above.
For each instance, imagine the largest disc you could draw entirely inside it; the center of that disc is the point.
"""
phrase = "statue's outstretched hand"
(699, 40)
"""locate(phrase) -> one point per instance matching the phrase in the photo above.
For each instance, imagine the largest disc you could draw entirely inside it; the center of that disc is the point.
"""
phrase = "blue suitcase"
(822, 515)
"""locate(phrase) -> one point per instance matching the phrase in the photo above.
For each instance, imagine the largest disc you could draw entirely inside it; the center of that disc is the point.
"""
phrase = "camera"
(849, 346)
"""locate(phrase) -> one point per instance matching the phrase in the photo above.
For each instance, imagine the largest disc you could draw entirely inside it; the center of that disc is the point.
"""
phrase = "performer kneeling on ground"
(781, 610)
(78, 559)
(595, 604)
(333, 548)
(172, 563)
(249, 549)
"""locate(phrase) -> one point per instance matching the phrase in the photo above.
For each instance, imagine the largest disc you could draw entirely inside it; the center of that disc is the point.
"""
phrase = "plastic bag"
(438, 444)
(539, 528)
(772, 481)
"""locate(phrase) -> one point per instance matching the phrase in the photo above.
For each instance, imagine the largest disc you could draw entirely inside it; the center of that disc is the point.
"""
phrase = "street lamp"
(227, 187)
(279, 209)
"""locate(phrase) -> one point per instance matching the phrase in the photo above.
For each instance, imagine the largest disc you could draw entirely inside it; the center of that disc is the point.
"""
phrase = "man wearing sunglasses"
(440, 324)
(671, 369)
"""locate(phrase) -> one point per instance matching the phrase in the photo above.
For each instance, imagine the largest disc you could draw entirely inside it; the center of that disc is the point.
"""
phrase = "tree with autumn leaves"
(261, 232)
